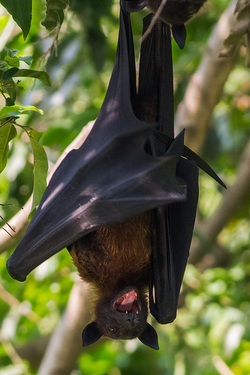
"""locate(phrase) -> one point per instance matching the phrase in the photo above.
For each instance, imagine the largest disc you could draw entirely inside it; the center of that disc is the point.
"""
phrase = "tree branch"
(65, 345)
(206, 85)
(194, 114)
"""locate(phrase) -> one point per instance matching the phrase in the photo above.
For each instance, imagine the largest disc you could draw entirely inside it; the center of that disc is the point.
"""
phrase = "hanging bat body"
(115, 256)
(115, 260)
(124, 203)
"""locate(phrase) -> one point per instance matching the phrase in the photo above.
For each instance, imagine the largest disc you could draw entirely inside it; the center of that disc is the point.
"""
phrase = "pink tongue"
(127, 303)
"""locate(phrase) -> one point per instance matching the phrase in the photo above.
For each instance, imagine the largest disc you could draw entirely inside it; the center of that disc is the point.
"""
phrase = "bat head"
(122, 317)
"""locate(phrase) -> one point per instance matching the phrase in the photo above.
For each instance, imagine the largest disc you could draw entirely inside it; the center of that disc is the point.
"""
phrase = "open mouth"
(127, 303)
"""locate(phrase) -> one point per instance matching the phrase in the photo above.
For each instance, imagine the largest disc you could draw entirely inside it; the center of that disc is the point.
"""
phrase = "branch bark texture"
(65, 345)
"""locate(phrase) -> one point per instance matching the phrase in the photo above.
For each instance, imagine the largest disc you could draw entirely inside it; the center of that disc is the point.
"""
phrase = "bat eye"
(113, 329)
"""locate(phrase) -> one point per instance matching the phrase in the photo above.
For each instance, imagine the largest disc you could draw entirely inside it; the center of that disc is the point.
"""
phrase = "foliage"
(21, 11)
(54, 13)
(212, 326)
(9, 69)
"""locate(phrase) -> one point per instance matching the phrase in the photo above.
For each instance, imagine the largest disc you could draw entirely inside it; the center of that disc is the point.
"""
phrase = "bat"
(174, 12)
(124, 203)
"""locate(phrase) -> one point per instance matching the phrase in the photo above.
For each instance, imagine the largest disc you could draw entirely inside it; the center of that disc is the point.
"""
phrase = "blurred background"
(211, 334)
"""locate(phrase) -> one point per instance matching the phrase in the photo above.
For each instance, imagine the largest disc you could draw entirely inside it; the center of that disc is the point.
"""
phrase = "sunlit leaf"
(27, 59)
(7, 133)
(16, 110)
(40, 167)
(12, 61)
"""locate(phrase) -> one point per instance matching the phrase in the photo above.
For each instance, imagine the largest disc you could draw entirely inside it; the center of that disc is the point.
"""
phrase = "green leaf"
(9, 102)
(21, 11)
(3, 65)
(8, 74)
(43, 76)
(12, 61)
(27, 59)
(40, 167)
(12, 93)
(7, 113)
(51, 20)
(11, 52)
(7, 133)
(16, 110)
(56, 4)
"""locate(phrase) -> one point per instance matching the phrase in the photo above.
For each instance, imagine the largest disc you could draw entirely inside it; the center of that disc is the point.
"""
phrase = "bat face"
(122, 317)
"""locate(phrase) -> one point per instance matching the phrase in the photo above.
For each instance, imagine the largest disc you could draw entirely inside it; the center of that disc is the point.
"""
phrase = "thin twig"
(221, 366)
(13, 302)
(155, 18)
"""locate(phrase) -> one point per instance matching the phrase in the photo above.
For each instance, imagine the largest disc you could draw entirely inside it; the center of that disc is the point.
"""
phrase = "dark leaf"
(42, 76)
(10, 73)
(40, 167)
(21, 11)
(7, 133)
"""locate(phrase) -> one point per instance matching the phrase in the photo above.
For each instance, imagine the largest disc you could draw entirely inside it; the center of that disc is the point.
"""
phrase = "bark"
(65, 344)
(33, 351)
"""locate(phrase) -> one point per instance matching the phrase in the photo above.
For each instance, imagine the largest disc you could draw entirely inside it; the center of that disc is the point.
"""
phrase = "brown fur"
(115, 256)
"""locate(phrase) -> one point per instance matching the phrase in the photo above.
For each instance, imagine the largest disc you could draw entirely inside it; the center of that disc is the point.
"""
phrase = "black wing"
(108, 179)
(173, 223)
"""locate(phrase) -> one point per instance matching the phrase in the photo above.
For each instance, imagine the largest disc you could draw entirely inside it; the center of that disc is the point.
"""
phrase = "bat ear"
(149, 337)
(90, 334)
(179, 34)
